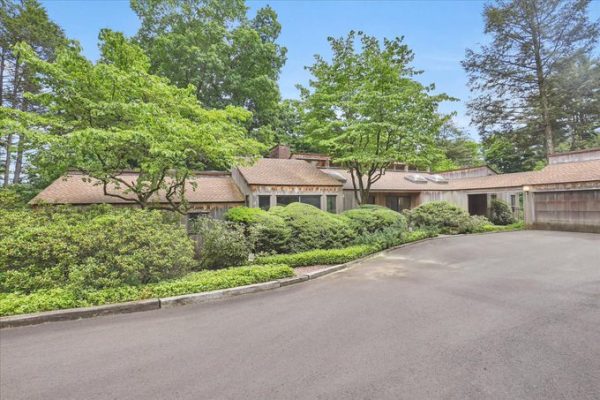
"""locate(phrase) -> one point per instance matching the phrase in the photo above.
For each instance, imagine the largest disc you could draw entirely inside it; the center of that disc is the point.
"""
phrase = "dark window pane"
(391, 202)
(264, 202)
(403, 203)
(312, 200)
(331, 203)
(285, 200)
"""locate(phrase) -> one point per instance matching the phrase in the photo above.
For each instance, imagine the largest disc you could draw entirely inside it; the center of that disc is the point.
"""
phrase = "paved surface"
(503, 316)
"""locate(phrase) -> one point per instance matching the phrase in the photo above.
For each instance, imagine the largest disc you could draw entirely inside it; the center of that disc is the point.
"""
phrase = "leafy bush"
(313, 228)
(16, 196)
(318, 257)
(371, 219)
(500, 213)
(443, 217)
(96, 248)
(382, 239)
(69, 297)
(220, 244)
(268, 233)
(245, 215)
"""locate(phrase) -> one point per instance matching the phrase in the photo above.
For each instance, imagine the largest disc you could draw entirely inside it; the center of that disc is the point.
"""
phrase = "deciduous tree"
(107, 118)
(366, 110)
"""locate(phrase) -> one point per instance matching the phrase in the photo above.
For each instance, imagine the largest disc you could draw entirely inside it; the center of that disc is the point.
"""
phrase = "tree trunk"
(8, 146)
(542, 90)
(19, 160)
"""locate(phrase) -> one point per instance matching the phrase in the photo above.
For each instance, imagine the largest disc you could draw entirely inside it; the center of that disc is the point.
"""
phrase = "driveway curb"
(174, 301)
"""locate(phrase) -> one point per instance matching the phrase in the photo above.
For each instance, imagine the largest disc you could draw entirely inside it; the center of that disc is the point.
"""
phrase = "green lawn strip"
(204, 281)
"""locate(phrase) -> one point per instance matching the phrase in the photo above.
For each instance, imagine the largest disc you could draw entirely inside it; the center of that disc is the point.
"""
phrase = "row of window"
(264, 202)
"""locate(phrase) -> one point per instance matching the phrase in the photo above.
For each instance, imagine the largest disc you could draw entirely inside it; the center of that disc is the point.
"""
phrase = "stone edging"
(168, 302)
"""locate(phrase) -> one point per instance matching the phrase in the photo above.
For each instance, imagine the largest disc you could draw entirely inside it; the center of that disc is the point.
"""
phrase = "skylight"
(416, 178)
(437, 178)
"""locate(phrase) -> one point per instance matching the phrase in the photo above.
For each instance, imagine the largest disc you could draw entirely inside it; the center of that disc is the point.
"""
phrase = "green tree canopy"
(511, 75)
(114, 116)
(212, 45)
(366, 110)
(458, 148)
(21, 21)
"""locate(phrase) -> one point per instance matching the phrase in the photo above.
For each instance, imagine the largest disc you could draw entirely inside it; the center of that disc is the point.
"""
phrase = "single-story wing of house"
(564, 194)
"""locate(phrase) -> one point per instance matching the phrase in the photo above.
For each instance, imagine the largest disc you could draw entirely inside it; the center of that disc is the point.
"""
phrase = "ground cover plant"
(195, 282)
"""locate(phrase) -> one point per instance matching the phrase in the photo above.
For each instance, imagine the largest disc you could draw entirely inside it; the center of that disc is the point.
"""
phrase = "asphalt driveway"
(502, 316)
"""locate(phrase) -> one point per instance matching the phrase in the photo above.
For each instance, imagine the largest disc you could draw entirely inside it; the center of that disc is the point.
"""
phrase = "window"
(264, 202)
(397, 203)
(513, 201)
(312, 200)
(494, 197)
(332, 203)
(285, 200)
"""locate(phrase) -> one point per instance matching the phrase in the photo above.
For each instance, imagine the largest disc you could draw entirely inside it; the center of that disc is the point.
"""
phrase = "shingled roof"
(584, 171)
(286, 172)
(74, 189)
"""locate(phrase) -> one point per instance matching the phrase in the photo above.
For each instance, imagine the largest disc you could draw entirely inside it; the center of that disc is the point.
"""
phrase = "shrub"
(220, 244)
(244, 215)
(96, 248)
(441, 216)
(371, 219)
(69, 297)
(312, 228)
(382, 239)
(16, 196)
(318, 257)
(500, 213)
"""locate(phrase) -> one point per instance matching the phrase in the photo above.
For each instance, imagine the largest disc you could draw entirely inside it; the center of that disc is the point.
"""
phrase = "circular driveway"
(501, 316)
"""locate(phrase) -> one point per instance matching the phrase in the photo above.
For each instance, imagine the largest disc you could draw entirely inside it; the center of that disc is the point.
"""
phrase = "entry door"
(398, 203)
(478, 204)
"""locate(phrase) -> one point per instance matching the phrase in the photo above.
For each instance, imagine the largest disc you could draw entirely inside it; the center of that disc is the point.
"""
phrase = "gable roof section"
(286, 172)
(72, 189)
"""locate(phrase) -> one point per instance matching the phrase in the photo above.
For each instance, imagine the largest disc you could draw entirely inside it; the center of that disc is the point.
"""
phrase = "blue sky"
(437, 31)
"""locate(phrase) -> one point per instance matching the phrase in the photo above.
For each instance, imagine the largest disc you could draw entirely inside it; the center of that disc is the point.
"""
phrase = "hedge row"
(70, 297)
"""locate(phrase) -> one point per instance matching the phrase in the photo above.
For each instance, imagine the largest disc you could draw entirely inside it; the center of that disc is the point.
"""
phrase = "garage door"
(568, 210)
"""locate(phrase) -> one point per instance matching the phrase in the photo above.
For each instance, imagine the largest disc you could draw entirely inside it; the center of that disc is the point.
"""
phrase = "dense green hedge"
(338, 256)
(500, 213)
(369, 219)
(97, 248)
(220, 244)
(445, 218)
(69, 297)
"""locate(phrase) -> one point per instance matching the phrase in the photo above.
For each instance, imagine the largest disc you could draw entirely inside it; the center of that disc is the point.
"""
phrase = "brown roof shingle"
(72, 189)
(286, 172)
(583, 171)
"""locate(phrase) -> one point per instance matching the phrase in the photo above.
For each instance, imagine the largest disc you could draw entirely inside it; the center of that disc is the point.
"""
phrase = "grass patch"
(204, 281)
(517, 226)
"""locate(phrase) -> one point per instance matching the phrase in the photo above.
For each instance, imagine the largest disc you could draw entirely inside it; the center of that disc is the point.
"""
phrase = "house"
(563, 195)
(216, 194)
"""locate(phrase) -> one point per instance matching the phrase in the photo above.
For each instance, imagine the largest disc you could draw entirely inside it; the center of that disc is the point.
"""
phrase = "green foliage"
(459, 150)
(98, 248)
(365, 109)
(214, 48)
(318, 257)
(369, 219)
(220, 244)
(244, 215)
(114, 116)
(500, 213)
(69, 297)
(313, 228)
(21, 21)
(512, 74)
(445, 218)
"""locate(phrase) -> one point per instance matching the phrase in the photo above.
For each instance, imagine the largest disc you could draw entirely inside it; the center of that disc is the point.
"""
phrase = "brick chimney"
(280, 151)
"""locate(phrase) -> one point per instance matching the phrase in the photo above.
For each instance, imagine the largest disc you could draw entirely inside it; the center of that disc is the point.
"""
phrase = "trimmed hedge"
(444, 217)
(97, 248)
(337, 256)
(500, 213)
(318, 257)
(69, 297)
(220, 244)
(371, 219)
(312, 228)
